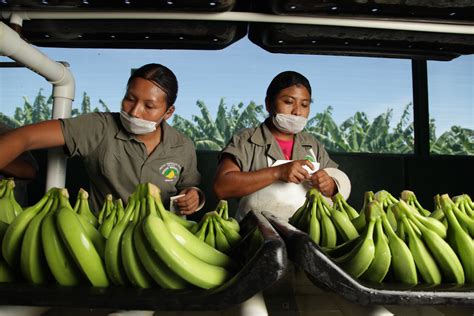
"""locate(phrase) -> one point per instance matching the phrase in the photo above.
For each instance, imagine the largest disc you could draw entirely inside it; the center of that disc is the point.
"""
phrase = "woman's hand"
(324, 183)
(294, 171)
(189, 202)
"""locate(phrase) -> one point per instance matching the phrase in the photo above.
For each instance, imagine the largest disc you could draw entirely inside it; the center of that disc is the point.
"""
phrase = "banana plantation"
(383, 134)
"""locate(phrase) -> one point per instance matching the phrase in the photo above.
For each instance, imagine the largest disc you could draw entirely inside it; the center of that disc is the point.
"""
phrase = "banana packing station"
(382, 250)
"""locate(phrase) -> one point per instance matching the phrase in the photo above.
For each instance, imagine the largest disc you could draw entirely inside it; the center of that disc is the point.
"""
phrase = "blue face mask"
(288, 123)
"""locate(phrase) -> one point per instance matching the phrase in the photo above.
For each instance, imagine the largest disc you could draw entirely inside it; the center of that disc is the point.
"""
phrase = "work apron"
(280, 198)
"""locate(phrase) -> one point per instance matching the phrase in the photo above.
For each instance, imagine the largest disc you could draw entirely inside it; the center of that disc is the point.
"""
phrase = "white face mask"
(288, 123)
(138, 126)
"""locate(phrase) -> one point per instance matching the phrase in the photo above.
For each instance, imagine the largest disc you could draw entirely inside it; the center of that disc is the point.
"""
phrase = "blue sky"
(242, 71)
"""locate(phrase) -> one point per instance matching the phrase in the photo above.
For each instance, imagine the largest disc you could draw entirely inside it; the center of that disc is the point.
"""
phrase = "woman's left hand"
(189, 202)
(324, 183)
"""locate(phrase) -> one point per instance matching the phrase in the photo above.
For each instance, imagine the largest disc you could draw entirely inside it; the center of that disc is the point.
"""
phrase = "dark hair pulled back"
(284, 80)
(161, 76)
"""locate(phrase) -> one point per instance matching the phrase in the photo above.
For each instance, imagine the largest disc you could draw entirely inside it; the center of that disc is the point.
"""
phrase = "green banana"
(6, 273)
(108, 223)
(82, 207)
(464, 220)
(120, 209)
(357, 264)
(106, 208)
(232, 236)
(328, 230)
(444, 255)
(343, 224)
(341, 204)
(295, 218)
(134, 269)
(11, 244)
(410, 198)
(156, 268)
(314, 228)
(32, 261)
(341, 249)
(81, 248)
(113, 256)
(221, 241)
(179, 259)
(425, 263)
(429, 222)
(403, 264)
(380, 265)
(60, 261)
(359, 221)
(210, 238)
(94, 235)
(462, 244)
(201, 233)
(9, 208)
(201, 250)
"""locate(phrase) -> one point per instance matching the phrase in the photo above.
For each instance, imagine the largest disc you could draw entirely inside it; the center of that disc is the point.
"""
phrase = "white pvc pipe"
(14, 47)
(445, 27)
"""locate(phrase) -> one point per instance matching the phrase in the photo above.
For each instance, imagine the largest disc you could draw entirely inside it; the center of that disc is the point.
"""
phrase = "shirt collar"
(262, 136)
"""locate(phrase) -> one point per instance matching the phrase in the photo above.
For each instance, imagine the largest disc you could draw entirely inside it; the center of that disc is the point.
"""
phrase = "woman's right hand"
(294, 171)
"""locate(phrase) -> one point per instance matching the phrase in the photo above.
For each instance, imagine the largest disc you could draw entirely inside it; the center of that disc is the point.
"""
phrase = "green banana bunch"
(438, 212)
(185, 254)
(424, 261)
(223, 210)
(217, 229)
(410, 197)
(359, 258)
(134, 269)
(113, 255)
(403, 263)
(386, 200)
(380, 265)
(341, 204)
(359, 221)
(58, 258)
(327, 226)
(81, 247)
(11, 244)
(328, 230)
(465, 204)
(9, 207)
(179, 258)
(154, 265)
(82, 207)
(448, 262)
(32, 260)
(459, 239)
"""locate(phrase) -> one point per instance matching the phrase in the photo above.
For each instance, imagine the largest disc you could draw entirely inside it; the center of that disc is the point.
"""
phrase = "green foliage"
(209, 134)
(41, 110)
(355, 134)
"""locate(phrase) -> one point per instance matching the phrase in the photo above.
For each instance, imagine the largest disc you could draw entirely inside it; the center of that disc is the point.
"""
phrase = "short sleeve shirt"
(251, 147)
(117, 161)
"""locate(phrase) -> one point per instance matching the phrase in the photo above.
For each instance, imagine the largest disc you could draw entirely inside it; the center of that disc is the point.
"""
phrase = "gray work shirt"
(117, 161)
(251, 146)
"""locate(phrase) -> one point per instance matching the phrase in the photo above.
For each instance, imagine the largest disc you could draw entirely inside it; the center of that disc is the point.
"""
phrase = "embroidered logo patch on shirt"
(309, 158)
(170, 171)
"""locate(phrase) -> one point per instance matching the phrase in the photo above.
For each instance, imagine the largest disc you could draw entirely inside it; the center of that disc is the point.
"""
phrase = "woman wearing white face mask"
(271, 167)
(121, 150)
